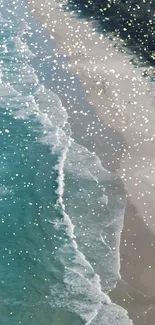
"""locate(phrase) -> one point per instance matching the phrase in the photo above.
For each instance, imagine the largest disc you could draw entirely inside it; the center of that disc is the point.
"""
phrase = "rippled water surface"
(58, 257)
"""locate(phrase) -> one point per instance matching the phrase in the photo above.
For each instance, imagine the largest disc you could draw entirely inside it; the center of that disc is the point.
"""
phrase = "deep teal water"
(58, 255)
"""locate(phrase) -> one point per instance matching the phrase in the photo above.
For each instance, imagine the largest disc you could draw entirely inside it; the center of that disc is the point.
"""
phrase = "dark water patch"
(44, 277)
(132, 20)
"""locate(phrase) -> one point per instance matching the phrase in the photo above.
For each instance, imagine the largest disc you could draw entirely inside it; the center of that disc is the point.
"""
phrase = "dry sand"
(123, 98)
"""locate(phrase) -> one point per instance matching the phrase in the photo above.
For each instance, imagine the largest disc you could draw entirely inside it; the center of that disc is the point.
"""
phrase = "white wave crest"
(80, 278)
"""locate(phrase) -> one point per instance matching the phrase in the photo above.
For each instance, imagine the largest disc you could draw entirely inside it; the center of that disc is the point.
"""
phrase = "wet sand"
(135, 292)
(123, 100)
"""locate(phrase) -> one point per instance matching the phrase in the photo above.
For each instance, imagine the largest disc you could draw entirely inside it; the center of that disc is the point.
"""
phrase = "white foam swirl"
(79, 275)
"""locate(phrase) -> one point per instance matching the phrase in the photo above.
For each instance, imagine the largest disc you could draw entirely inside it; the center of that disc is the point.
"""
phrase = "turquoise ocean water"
(59, 228)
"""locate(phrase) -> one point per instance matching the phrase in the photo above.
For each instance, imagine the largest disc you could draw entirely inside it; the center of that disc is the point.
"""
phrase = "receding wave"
(83, 212)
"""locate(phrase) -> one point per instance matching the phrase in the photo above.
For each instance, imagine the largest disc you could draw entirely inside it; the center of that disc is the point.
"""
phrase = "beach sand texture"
(123, 98)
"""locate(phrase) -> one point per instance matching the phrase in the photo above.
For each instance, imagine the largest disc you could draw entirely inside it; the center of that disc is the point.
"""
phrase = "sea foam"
(81, 291)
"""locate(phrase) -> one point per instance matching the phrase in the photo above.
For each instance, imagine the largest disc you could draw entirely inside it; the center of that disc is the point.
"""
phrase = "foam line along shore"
(59, 141)
(48, 180)
(126, 95)
(128, 107)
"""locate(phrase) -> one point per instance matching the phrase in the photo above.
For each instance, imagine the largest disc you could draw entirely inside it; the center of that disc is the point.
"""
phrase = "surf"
(80, 183)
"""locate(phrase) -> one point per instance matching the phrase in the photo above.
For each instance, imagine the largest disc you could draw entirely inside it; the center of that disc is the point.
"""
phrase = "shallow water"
(60, 225)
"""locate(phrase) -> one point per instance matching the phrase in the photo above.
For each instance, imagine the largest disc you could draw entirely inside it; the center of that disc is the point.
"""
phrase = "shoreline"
(96, 83)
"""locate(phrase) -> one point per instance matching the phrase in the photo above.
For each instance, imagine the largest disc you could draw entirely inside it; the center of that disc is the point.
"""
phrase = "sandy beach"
(123, 100)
